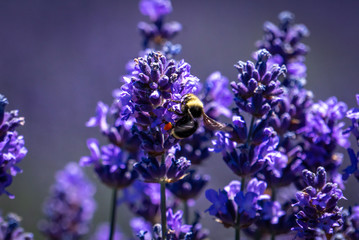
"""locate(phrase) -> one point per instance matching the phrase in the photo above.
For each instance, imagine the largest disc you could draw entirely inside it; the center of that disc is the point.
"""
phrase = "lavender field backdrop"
(59, 58)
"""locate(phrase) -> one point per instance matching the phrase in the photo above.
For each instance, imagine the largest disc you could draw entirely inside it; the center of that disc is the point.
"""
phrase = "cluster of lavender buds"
(111, 164)
(170, 170)
(10, 228)
(12, 149)
(284, 43)
(322, 134)
(70, 206)
(158, 32)
(235, 208)
(189, 187)
(319, 214)
(257, 89)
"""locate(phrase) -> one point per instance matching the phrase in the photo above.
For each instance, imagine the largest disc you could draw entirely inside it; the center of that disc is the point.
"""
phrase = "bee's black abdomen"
(184, 127)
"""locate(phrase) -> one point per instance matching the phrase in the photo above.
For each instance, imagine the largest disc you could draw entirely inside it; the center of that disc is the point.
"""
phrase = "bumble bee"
(192, 110)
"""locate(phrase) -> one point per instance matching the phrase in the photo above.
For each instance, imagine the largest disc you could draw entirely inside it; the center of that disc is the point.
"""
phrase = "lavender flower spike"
(113, 166)
(149, 96)
(170, 171)
(12, 149)
(189, 187)
(258, 90)
(71, 205)
(319, 213)
(284, 43)
(234, 208)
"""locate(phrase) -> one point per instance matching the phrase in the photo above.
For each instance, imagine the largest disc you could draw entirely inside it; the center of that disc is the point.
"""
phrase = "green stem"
(238, 234)
(250, 130)
(273, 197)
(186, 212)
(163, 210)
(163, 205)
(113, 213)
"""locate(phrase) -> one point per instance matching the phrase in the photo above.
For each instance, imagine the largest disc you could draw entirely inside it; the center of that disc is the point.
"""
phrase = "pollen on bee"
(168, 126)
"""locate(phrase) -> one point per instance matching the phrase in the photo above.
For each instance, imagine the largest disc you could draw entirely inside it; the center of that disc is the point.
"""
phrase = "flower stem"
(186, 211)
(163, 205)
(250, 130)
(238, 234)
(273, 197)
(163, 210)
(113, 213)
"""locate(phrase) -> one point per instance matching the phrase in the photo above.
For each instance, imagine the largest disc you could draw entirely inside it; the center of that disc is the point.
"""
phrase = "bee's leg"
(189, 113)
(176, 112)
(176, 101)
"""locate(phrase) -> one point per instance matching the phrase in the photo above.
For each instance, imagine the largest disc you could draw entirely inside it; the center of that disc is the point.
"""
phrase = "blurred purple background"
(58, 58)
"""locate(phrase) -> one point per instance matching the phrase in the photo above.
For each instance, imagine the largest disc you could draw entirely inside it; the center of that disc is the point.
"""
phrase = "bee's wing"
(214, 125)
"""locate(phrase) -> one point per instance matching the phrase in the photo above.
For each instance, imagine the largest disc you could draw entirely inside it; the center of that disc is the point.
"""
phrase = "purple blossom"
(113, 166)
(158, 32)
(323, 133)
(12, 149)
(352, 228)
(10, 228)
(290, 113)
(242, 159)
(155, 9)
(118, 132)
(319, 213)
(149, 96)
(174, 222)
(171, 170)
(102, 233)
(234, 208)
(143, 199)
(284, 43)
(70, 206)
(216, 96)
(138, 225)
(323, 122)
(272, 211)
(257, 187)
(190, 186)
(258, 90)
(278, 161)
(353, 113)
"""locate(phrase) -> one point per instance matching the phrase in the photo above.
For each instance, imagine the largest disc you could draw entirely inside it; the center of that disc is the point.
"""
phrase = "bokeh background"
(58, 58)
